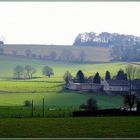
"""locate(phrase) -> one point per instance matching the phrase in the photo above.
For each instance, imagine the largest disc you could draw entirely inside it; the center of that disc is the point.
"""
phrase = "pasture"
(8, 63)
(88, 127)
(59, 103)
(13, 93)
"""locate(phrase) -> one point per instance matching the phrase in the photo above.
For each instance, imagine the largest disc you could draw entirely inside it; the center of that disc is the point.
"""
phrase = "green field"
(13, 93)
(59, 103)
(90, 127)
(7, 64)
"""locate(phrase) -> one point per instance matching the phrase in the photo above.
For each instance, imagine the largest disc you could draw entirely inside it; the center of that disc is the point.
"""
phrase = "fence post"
(43, 108)
(32, 108)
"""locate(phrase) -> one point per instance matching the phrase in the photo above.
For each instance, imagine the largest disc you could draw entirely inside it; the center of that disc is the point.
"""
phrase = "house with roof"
(84, 86)
(109, 86)
(136, 85)
(121, 86)
(116, 86)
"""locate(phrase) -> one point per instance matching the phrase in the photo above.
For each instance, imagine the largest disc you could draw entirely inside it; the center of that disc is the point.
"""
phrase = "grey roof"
(136, 82)
(118, 82)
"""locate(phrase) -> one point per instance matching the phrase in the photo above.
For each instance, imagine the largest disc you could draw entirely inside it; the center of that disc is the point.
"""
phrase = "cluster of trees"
(80, 78)
(129, 100)
(24, 72)
(105, 39)
(66, 55)
(126, 53)
(124, 47)
(131, 72)
(27, 71)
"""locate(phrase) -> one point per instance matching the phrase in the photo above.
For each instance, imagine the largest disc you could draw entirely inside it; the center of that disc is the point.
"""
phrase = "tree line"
(105, 39)
(131, 72)
(27, 72)
(126, 53)
(66, 55)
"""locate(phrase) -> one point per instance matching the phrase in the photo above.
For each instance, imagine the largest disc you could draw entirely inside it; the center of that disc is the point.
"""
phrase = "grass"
(7, 64)
(60, 99)
(58, 103)
(15, 92)
(90, 127)
(29, 86)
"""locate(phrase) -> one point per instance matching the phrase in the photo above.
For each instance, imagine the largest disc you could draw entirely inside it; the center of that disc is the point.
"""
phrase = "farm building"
(136, 85)
(84, 86)
(121, 86)
(109, 86)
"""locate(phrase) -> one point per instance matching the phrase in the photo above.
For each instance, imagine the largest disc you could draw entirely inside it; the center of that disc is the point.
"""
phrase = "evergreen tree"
(107, 75)
(80, 77)
(121, 75)
(97, 78)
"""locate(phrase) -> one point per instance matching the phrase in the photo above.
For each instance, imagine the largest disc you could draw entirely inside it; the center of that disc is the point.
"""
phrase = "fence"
(36, 111)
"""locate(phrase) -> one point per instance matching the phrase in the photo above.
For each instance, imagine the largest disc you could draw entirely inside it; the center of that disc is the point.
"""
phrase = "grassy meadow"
(7, 64)
(15, 92)
(59, 103)
(88, 127)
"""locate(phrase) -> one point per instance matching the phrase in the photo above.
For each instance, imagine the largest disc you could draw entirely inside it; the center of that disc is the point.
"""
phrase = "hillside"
(59, 52)
(8, 63)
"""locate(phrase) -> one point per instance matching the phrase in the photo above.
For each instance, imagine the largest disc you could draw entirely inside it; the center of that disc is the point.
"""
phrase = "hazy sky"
(60, 22)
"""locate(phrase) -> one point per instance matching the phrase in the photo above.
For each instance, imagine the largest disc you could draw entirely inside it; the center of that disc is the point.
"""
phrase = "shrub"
(27, 103)
(91, 104)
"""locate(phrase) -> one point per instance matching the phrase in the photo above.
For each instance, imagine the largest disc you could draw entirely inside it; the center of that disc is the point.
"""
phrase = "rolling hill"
(92, 54)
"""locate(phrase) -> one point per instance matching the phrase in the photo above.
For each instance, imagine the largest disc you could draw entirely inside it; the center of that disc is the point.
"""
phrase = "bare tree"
(130, 100)
(132, 73)
(67, 77)
(29, 71)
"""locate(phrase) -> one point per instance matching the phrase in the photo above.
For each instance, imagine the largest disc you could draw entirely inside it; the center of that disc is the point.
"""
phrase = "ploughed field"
(92, 54)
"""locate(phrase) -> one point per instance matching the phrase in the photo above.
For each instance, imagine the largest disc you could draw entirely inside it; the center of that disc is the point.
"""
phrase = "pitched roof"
(136, 82)
(118, 82)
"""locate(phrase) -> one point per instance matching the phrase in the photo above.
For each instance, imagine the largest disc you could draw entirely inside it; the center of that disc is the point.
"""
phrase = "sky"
(60, 22)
